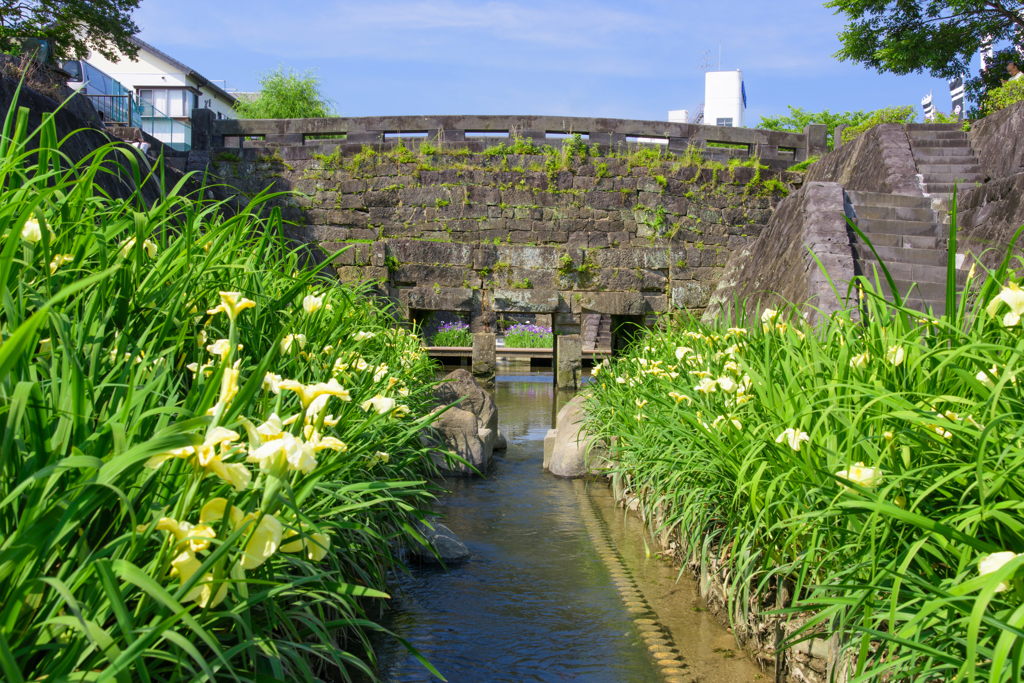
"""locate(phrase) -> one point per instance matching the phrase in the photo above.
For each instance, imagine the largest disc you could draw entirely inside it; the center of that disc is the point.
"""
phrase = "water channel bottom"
(554, 591)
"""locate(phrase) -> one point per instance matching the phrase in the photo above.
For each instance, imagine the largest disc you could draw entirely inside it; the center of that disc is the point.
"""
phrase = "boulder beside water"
(469, 428)
(450, 550)
(574, 453)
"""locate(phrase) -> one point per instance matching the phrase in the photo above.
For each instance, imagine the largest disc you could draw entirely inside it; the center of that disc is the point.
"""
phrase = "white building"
(725, 99)
(166, 84)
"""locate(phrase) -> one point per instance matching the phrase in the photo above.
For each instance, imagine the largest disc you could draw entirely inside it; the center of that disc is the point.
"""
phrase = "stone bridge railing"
(298, 139)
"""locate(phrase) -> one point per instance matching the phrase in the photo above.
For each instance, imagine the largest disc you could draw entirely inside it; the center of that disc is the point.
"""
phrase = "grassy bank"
(208, 451)
(876, 466)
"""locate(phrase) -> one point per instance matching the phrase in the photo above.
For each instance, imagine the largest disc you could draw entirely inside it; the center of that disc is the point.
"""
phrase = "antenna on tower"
(705, 61)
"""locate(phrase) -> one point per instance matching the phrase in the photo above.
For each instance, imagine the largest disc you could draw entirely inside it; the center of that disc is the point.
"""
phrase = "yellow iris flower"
(232, 303)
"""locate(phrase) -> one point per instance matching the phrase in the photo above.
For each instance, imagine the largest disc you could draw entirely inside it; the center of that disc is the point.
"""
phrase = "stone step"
(944, 190)
(888, 239)
(971, 178)
(934, 127)
(897, 255)
(884, 199)
(917, 143)
(922, 153)
(897, 227)
(926, 276)
(944, 161)
(936, 135)
(900, 213)
(956, 166)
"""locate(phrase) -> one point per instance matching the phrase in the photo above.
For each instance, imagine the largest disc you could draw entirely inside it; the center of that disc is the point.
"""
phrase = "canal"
(559, 587)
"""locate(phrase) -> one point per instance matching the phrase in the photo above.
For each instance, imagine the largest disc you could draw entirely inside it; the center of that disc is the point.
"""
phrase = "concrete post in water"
(837, 136)
(816, 139)
(569, 371)
(483, 358)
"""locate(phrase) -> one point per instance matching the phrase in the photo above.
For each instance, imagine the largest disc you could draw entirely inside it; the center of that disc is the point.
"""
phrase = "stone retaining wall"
(988, 215)
(487, 234)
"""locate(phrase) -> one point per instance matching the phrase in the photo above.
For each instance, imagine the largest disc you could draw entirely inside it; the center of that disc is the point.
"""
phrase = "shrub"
(905, 114)
(869, 464)
(528, 337)
(1001, 98)
(286, 94)
(802, 166)
(453, 334)
(207, 451)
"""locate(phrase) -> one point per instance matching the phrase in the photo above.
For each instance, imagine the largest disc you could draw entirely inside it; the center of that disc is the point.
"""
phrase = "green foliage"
(72, 27)
(938, 36)
(799, 118)
(521, 284)
(287, 94)
(802, 166)
(870, 464)
(516, 145)
(227, 156)
(122, 365)
(995, 76)
(888, 115)
(1001, 98)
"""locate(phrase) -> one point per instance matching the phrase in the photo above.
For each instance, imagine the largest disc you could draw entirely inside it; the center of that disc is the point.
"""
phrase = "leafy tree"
(937, 36)
(72, 26)
(287, 94)
(799, 117)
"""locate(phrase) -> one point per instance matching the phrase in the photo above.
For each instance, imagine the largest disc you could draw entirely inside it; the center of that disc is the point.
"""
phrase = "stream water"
(558, 587)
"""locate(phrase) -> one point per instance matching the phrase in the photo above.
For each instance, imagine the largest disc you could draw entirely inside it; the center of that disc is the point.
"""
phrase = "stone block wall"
(492, 234)
(989, 214)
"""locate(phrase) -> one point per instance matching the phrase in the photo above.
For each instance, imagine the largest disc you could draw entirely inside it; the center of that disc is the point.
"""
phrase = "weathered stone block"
(691, 294)
(484, 363)
(569, 373)
(443, 299)
(525, 300)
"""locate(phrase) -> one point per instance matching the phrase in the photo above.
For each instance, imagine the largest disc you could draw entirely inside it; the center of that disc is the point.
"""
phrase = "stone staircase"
(597, 333)
(909, 237)
(944, 157)
(910, 233)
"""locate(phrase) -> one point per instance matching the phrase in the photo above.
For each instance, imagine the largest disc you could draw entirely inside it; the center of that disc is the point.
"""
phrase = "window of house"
(723, 122)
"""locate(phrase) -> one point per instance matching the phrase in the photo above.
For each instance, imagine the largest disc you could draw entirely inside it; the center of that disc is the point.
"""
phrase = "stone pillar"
(837, 136)
(815, 140)
(202, 129)
(569, 371)
(483, 358)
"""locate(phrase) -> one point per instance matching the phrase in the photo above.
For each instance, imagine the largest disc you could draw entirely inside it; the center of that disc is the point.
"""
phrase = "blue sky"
(624, 60)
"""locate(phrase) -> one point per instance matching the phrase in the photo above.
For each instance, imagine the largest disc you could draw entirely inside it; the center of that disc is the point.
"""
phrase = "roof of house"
(189, 71)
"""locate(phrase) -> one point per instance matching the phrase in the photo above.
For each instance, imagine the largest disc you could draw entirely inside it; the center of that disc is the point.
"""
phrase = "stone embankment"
(570, 452)
(486, 234)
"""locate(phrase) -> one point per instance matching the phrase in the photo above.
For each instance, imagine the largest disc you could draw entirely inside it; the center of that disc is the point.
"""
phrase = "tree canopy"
(937, 36)
(73, 27)
(287, 94)
(799, 117)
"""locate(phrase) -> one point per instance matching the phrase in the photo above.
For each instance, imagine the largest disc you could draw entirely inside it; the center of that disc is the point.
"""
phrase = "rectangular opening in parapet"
(323, 136)
(486, 133)
(647, 141)
(787, 153)
(562, 136)
(740, 147)
(404, 134)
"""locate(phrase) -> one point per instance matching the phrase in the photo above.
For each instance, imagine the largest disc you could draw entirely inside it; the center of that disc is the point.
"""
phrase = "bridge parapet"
(298, 139)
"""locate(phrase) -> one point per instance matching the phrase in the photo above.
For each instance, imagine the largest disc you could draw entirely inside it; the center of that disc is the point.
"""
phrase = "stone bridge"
(473, 215)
